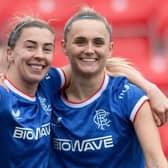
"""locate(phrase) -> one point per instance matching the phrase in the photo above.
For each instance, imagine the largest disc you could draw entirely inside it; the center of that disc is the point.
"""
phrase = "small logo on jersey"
(16, 114)
(47, 76)
(126, 88)
(57, 122)
(46, 107)
(101, 119)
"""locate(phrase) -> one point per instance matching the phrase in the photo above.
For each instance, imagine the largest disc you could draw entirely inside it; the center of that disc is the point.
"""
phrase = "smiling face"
(32, 55)
(88, 46)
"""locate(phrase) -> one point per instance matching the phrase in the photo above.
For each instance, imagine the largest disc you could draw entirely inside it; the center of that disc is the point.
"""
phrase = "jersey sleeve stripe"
(137, 107)
(62, 76)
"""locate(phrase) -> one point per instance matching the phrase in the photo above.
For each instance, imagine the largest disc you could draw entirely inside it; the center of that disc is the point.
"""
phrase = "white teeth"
(89, 59)
(37, 67)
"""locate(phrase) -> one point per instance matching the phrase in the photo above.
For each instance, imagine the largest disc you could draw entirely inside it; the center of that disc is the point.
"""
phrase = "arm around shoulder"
(158, 100)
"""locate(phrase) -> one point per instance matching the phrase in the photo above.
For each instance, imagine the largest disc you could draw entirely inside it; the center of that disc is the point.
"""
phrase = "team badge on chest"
(101, 119)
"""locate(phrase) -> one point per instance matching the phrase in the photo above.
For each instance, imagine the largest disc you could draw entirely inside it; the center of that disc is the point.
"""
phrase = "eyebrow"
(34, 42)
(79, 37)
(99, 38)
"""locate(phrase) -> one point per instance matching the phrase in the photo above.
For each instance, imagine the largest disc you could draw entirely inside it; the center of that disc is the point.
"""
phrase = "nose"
(89, 48)
(39, 53)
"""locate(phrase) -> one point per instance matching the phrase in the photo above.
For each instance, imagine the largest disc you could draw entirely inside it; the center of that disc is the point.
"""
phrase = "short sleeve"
(53, 81)
(133, 98)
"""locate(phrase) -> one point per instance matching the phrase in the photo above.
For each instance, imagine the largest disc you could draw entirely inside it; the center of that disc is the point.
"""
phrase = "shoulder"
(4, 92)
(126, 93)
(5, 98)
(128, 96)
(54, 78)
(122, 83)
(118, 82)
(55, 74)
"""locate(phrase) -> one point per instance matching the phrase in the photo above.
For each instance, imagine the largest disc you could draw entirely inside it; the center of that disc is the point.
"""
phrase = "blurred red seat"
(161, 17)
(125, 11)
(135, 49)
(60, 59)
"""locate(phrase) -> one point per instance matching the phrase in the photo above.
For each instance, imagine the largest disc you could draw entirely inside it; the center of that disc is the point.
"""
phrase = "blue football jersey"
(25, 123)
(99, 132)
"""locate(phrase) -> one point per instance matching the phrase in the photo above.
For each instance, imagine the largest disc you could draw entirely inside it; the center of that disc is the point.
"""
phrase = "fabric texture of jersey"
(25, 124)
(99, 132)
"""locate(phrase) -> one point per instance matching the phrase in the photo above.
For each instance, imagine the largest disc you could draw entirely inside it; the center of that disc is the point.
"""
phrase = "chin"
(35, 79)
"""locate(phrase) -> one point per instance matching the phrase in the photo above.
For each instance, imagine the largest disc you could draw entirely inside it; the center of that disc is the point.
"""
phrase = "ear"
(110, 49)
(63, 45)
(111, 46)
(10, 55)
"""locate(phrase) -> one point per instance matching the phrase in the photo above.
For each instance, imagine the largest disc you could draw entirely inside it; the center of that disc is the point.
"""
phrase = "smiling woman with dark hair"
(25, 109)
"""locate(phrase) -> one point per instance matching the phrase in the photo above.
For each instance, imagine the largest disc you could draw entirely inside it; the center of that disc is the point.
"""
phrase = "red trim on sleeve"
(139, 109)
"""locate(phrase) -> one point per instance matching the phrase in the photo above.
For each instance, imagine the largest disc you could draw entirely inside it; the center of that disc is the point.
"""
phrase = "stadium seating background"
(140, 32)
(139, 29)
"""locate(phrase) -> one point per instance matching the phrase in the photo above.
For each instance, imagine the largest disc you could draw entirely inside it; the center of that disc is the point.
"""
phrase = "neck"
(82, 87)
(22, 85)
